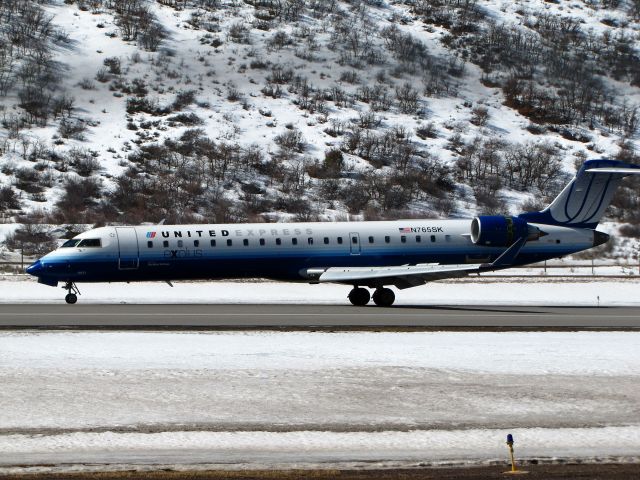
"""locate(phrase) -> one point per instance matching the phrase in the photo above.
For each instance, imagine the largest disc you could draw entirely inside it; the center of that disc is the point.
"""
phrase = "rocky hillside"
(220, 110)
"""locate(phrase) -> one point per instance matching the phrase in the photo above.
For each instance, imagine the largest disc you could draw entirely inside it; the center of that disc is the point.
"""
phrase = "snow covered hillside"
(221, 110)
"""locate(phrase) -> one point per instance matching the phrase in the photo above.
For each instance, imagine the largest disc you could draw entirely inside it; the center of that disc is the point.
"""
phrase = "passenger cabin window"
(180, 243)
(70, 243)
(387, 239)
(245, 242)
(278, 241)
(165, 244)
(418, 239)
(294, 241)
(433, 238)
(370, 239)
(403, 238)
(229, 243)
(150, 244)
(213, 243)
(326, 240)
(310, 241)
(90, 243)
(339, 240)
(196, 243)
(262, 242)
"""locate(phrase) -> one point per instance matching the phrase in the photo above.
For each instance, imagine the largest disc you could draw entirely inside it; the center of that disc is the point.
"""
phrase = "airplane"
(365, 255)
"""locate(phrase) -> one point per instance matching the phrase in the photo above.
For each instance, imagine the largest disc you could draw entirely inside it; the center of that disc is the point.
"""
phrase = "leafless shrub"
(190, 119)
(28, 180)
(271, 90)
(480, 116)
(280, 75)
(62, 106)
(279, 40)
(80, 194)
(87, 84)
(73, 129)
(84, 161)
(349, 76)
(239, 33)
(291, 140)
(183, 99)
(407, 97)
(31, 238)
(427, 131)
(113, 64)
(8, 199)
(233, 94)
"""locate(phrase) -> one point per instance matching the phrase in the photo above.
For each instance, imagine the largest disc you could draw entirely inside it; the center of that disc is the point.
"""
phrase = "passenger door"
(128, 253)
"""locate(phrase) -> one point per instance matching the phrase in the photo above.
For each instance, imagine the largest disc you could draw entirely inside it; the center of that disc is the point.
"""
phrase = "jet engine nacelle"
(498, 231)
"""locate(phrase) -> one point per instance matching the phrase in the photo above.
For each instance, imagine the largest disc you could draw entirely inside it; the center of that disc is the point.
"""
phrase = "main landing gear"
(382, 297)
(72, 296)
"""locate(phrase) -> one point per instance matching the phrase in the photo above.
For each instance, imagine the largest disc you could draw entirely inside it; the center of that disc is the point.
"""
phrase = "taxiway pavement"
(247, 316)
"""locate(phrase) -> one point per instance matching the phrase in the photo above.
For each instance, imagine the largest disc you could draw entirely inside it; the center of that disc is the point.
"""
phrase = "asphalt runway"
(199, 316)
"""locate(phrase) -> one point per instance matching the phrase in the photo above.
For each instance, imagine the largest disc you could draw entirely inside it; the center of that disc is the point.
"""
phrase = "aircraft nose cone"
(35, 268)
(599, 238)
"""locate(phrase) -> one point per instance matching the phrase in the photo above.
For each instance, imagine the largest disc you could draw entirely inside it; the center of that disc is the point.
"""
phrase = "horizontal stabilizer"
(623, 171)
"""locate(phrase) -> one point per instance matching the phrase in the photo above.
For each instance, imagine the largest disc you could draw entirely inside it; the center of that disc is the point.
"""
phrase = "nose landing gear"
(72, 296)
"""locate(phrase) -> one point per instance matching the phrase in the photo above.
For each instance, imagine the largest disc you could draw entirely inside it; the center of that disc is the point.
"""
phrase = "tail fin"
(583, 201)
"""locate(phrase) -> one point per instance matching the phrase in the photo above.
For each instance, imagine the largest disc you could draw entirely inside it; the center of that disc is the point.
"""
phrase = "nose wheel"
(72, 296)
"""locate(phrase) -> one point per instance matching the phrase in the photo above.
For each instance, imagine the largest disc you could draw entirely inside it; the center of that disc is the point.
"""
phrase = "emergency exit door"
(354, 243)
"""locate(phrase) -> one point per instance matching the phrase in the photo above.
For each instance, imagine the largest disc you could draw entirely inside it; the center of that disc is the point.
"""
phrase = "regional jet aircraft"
(365, 255)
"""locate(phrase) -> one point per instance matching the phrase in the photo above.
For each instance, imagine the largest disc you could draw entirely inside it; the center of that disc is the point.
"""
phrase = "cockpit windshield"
(70, 243)
(82, 242)
(90, 242)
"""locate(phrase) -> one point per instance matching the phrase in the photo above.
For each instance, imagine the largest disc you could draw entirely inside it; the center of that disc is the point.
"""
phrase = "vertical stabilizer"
(582, 203)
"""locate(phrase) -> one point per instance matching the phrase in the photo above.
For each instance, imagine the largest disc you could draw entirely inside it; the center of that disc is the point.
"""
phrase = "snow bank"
(535, 291)
(318, 447)
(301, 398)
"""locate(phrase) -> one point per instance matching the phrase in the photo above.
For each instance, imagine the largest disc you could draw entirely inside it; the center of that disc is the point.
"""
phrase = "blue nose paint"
(35, 268)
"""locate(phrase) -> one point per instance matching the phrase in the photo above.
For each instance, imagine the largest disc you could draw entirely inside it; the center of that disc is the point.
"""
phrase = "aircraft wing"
(406, 276)
(401, 276)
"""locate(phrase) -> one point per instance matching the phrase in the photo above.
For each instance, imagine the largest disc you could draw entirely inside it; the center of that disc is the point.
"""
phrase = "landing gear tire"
(359, 297)
(384, 297)
(72, 296)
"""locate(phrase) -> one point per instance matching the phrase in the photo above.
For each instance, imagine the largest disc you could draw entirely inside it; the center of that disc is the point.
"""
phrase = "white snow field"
(106, 400)
(548, 291)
